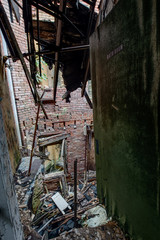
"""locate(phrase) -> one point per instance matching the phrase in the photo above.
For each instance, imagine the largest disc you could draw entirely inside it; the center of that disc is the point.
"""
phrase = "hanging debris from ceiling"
(63, 42)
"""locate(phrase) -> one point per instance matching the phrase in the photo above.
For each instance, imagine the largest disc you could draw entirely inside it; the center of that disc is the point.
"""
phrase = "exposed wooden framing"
(58, 42)
(38, 33)
(75, 48)
(75, 193)
(18, 4)
(91, 18)
(12, 39)
(46, 10)
(31, 46)
(48, 52)
(10, 10)
(88, 60)
(15, 8)
(88, 99)
(34, 138)
(60, 14)
(85, 78)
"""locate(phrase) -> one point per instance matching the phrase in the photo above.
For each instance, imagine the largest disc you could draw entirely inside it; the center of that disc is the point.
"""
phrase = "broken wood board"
(52, 181)
(52, 140)
(48, 134)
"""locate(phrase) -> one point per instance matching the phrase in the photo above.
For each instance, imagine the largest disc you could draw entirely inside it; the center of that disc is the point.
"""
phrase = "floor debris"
(46, 204)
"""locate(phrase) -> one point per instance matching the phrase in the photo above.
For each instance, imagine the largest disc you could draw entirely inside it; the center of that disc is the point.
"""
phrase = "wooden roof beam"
(58, 42)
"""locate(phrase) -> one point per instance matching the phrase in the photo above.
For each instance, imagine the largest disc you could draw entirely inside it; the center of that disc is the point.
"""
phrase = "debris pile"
(47, 201)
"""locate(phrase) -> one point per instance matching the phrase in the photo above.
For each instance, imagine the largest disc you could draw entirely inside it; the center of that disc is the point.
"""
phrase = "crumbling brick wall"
(23, 96)
(68, 118)
(73, 116)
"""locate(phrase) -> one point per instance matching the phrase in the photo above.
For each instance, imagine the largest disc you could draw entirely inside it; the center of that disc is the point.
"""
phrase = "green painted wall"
(125, 57)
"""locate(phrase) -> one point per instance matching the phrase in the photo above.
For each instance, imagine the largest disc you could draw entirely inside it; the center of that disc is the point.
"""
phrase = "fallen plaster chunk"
(60, 202)
(95, 217)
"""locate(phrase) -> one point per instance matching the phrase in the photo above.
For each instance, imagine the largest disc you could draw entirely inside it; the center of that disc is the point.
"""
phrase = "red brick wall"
(78, 110)
(76, 113)
(24, 100)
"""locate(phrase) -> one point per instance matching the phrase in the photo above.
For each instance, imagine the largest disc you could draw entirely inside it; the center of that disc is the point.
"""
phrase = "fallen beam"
(53, 140)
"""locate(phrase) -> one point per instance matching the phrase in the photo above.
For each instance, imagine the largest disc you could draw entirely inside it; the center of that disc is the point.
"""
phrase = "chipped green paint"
(126, 116)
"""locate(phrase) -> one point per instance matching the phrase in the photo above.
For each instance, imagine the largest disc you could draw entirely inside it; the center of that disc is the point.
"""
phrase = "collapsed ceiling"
(64, 40)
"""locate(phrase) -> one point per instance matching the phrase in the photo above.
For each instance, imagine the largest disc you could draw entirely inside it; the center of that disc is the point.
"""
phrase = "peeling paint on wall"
(10, 225)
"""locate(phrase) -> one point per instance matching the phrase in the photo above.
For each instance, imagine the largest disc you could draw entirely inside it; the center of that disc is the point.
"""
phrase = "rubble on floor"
(109, 231)
(46, 203)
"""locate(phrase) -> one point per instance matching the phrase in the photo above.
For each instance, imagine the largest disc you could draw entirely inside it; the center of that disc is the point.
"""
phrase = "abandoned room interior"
(79, 119)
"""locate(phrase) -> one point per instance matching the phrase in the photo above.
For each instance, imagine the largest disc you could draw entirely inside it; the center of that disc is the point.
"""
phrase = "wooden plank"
(58, 42)
(88, 99)
(85, 78)
(53, 140)
(47, 134)
(34, 138)
(88, 34)
(75, 193)
(48, 101)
